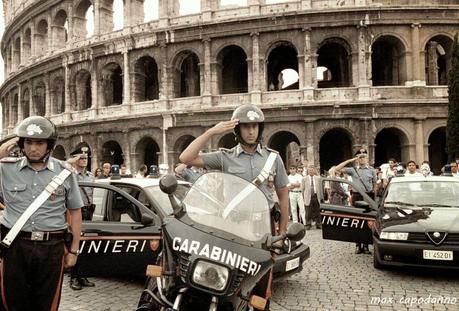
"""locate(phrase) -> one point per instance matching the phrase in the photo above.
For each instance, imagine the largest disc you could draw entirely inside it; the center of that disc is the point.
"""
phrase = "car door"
(343, 220)
(122, 237)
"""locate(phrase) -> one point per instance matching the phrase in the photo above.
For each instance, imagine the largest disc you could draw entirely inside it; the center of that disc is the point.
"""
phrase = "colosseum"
(361, 73)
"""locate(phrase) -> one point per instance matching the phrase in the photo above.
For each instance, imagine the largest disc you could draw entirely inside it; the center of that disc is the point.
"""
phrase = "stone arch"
(391, 142)
(232, 70)
(83, 89)
(58, 95)
(227, 141)
(112, 84)
(437, 149)
(14, 109)
(146, 151)
(39, 99)
(84, 11)
(186, 74)
(17, 53)
(438, 52)
(388, 61)
(150, 10)
(25, 103)
(112, 153)
(60, 35)
(26, 44)
(281, 56)
(41, 37)
(146, 82)
(335, 146)
(119, 12)
(59, 152)
(288, 146)
(180, 144)
(334, 63)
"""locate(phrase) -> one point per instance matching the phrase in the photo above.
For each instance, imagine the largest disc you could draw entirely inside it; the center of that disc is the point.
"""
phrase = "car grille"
(421, 237)
(184, 265)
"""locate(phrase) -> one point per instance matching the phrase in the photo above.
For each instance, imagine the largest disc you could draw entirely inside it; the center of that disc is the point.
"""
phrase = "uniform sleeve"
(213, 160)
(1, 183)
(73, 199)
(281, 178)
(349, 170)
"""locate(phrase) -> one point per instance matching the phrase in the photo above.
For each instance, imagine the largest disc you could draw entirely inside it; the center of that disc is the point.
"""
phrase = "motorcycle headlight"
(394, 236)
(210, 275)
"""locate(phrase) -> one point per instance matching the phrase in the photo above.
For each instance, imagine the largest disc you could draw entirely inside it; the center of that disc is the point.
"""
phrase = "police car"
(123, 236)
(416, 222)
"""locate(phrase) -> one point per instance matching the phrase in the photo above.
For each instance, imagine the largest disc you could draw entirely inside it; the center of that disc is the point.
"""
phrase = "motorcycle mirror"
(295, 231)
(168, 184)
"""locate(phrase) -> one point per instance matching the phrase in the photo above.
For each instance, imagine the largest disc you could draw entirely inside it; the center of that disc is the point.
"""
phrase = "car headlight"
(394, 236)
(210, 275)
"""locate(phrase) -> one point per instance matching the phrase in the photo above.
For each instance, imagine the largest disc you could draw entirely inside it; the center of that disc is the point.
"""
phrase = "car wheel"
(376, 263)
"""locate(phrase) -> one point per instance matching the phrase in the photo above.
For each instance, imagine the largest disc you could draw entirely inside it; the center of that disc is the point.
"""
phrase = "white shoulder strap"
(49, 189)
(264, 173)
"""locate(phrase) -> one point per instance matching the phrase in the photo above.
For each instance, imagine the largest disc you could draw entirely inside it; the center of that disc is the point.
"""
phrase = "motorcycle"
(217, 246)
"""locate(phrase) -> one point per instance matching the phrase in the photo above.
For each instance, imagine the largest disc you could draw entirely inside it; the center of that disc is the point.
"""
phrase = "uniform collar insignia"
(239, 149)
(50, 165)
(23, 163)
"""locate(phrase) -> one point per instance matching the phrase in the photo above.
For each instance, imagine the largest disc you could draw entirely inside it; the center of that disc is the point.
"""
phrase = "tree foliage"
(452, 125)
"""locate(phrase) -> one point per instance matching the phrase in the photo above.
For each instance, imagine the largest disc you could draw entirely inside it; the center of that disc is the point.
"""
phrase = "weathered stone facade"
(370, 72)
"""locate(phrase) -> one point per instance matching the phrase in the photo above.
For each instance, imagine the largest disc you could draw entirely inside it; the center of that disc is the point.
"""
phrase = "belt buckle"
(37, 236)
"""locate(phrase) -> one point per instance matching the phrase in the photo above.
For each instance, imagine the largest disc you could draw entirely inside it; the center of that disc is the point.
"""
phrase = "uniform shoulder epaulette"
(224, 149)
(272, 150)
(9, 159)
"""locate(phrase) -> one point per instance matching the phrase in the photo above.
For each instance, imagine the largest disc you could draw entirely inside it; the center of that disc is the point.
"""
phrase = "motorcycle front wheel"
(147, 301)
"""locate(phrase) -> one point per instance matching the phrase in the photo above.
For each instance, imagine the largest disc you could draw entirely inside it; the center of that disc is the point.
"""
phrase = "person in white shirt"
(388, 171)
(295, 194)
(454, 170)
(411, 169)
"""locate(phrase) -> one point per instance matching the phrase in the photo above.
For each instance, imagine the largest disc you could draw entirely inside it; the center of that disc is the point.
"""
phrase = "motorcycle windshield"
(230, 204)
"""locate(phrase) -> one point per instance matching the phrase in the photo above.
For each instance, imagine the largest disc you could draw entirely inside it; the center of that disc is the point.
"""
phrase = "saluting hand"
(223, 127)
(6, 147)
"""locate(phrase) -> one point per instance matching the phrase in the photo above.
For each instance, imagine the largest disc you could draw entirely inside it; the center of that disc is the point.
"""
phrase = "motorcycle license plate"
(437, 255)
(292, 264)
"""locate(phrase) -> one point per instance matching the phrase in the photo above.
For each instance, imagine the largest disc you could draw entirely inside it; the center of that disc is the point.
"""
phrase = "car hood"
(420, 219)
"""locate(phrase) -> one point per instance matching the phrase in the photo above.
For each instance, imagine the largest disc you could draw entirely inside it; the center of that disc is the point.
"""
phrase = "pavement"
(334, 278)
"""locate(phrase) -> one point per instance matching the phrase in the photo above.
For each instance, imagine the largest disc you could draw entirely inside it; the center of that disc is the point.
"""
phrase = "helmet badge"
(252, 115)
(33, 129)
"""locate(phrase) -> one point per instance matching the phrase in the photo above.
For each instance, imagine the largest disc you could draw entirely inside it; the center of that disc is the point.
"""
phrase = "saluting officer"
(32, 266)
(246, 160)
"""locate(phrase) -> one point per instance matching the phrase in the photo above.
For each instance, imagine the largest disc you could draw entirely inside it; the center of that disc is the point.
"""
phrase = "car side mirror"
(295, 231)
(168, 184)
(146, 219)
(361, 204)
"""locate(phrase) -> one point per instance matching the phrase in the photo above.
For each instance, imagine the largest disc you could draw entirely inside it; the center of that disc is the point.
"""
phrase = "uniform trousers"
(297, 204)
(31, 273)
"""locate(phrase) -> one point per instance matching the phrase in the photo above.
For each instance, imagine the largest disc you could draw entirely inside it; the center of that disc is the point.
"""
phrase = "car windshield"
(423, 194)
(229, 203)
